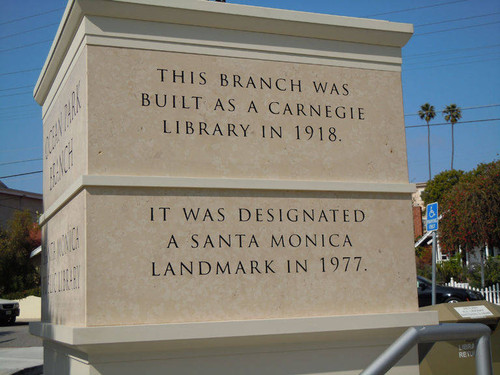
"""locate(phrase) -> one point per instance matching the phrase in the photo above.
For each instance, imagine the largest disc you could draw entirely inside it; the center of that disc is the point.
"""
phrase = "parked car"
(9, 311)
(444, 294)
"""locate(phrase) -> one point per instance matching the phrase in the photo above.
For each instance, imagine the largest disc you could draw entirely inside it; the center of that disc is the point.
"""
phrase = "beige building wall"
(12, 200)
(416, 197)
(30, 309)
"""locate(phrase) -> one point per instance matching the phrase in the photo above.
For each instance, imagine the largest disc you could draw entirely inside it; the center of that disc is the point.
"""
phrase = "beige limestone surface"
(216, 119)
(190, 233)
(65, 141)
(118, 103)
(63, 270)
(149, 261)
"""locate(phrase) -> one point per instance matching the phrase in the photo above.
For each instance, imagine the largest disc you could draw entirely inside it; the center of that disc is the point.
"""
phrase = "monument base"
(321, 345)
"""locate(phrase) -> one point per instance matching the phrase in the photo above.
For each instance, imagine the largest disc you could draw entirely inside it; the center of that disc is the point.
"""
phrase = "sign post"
(432, 224)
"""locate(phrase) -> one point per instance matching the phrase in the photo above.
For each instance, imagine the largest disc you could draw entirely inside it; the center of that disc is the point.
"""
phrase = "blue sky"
(454, 57)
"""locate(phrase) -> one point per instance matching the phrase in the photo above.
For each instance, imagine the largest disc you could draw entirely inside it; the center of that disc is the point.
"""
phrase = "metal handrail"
(430, 334)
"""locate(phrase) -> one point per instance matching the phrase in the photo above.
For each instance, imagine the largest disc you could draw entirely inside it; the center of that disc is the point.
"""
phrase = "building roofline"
(21, 193)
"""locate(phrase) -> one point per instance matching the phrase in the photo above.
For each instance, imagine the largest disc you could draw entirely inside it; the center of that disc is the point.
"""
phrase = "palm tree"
(427, 113)
(453, 114)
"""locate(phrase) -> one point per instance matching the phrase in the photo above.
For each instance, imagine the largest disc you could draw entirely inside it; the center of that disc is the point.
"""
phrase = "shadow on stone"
(35, 370)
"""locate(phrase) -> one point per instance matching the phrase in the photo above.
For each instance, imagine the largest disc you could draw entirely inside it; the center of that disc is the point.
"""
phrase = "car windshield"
(425, 279)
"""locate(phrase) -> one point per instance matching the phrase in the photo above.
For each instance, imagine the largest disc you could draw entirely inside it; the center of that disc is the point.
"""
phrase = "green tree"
(440, 185)
(491, 273)
(471, 210)
(452, 114)
(17, 273)
(427, 113)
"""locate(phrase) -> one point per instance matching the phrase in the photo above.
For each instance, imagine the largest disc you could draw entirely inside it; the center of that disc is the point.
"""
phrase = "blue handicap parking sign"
(432, 226)
(432, 217)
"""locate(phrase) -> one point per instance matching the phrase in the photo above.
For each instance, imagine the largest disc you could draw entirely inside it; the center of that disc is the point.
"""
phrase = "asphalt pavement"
(20, 352)
(18, 336)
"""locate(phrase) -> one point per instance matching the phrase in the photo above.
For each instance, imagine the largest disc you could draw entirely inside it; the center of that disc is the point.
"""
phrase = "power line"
(411, 9)
(25, 45)
(28, 31)
(28, 111)
(446, 65)
(13, 106)
(20, 161)
(456, 28)
(19, 93)
(32, 16)
(13, 118)
(15, 112)
(447, 123)
(17, 88)
(457, 19)
(19, 71)
(463, 109)
(20, 116)
(481, 155)
(418, 55)
(20, 149)
(454, 58)
(21, 174)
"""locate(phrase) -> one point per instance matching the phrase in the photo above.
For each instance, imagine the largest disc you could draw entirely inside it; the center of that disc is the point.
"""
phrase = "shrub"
(451, 268)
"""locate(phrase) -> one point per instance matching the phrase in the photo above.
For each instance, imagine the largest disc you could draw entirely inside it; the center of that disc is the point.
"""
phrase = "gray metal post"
(483, 356)
(393, 353)
(433, 267)
(481, 252)
(427, 334)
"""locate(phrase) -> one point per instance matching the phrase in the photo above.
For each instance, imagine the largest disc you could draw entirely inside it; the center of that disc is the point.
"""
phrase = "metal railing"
(430, 334)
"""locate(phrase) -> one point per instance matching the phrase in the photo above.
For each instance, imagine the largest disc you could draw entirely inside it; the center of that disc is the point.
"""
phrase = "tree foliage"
(17, 273)
(440, 185)
(471, 210)
(427, 113)
(452, 114)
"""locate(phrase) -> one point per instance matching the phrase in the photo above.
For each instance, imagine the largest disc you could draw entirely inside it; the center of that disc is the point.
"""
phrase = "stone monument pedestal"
(322, 345)
(225, 191)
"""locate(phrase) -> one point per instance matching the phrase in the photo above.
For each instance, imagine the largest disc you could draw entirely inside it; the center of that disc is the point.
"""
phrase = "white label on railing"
(473, 312)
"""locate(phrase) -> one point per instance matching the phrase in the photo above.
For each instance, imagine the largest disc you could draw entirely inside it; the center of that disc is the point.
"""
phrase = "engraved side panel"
(65, 134)
(179, 114)
(63, 265)
(187, 255)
